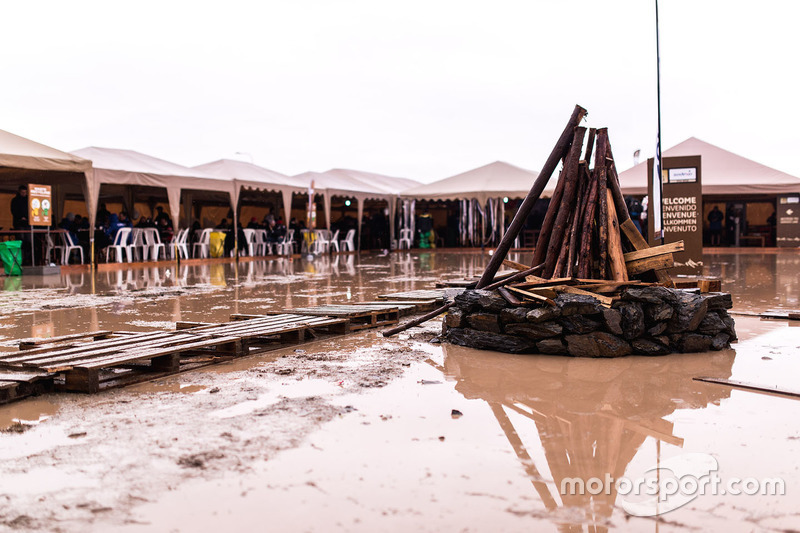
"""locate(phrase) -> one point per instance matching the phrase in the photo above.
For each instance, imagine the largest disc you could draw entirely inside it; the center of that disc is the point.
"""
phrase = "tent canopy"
(387, 184)
(19, 152)
(251, 176)
(127, 167)
(494, 180)
(723, 172)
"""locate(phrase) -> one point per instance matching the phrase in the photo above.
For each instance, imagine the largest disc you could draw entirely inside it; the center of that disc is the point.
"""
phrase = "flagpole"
(659, 228)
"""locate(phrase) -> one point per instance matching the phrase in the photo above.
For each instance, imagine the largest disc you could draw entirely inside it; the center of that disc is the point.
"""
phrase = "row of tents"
(89, 169)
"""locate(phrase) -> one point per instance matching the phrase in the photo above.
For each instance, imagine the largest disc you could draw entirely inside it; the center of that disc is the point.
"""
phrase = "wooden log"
(570, 177)
(616, 260)
(534, 296)
(585, 248)
(559, 151)
(589, 145)
(602, 215)
(655, 250)
(575, 230)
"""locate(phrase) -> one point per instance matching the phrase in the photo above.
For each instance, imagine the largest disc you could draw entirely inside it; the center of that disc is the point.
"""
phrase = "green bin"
(11, 255)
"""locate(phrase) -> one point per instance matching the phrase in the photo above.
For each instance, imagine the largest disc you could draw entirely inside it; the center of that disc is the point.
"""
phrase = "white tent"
(495, 180)
(126, 167)
(355, 184)
(45, 165)
(251, 176)
(723, 172)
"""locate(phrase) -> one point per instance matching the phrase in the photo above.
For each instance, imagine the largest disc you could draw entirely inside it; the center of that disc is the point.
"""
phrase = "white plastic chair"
(181, 244)
(119, 246)
(252, 245)
(69, 247)
(263, 246)
(406, 238)
(348, 243)
(335, 241)
(204, 244)
(51, 247)
(286, 245)
(152, 242)
(321, 242)
(136, 249)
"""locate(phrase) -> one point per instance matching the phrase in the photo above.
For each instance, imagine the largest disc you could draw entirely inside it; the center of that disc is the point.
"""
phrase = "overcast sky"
(419, 89)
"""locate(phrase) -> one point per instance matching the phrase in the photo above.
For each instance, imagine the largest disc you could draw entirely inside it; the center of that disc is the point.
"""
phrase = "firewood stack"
(580, 236)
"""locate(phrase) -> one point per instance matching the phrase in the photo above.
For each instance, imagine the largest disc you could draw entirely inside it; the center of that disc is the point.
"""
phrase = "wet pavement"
(363, 433)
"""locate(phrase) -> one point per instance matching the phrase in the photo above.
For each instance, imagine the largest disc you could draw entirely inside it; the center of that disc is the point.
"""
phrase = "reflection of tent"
(494, 180)
(24, 161)
(250, 176)
(592, 415)
(126, 167)
(723, 172)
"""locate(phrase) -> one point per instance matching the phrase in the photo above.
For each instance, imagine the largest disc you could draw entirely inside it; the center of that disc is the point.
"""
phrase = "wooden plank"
(638, 242)
(750, 386)
(616, 262)
(655, 250)
(659, 262)
(508, 297)
(514, 265)
(22, 376)
(30, 343)
(533, 296)
(544, 283)
(606, 301)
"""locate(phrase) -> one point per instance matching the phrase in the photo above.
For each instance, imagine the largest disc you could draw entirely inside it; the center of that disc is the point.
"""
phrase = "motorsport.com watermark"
(672, 484)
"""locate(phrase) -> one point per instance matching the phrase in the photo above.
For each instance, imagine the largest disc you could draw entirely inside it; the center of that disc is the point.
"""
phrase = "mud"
(359, 433)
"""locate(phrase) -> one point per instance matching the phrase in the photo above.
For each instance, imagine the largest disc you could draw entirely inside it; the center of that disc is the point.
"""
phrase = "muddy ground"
(364, 433)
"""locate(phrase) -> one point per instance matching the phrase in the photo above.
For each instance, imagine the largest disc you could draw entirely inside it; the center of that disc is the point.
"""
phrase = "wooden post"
(589, 145)
(577, 218)
(559, 151)
(602, 215)
(570, 177)
(616, 260)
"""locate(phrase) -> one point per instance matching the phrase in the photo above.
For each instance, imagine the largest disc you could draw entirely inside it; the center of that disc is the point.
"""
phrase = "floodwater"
(362, 433)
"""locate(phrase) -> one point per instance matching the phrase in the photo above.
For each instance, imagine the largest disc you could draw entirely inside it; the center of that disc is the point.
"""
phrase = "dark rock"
(690, 311)
(491, 301)
(719, 300)
(650, 295)
(484, 322)
(470, 300)
(578, 324)
(552, 347)
(658, 312)
(658, 329)
(720, 341)
(483, 340)
(693, 342)
(542, 314)
(542, 330)
(597, 344)
(649, 347)
(663, 339)
(577, 304)
(730, 326)
(632, 320)
(513, 315)
(612, 319)
(711, 325)
(454, 318)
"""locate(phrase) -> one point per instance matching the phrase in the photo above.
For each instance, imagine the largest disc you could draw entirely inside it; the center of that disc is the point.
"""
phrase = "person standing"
(715, 218)
(19, 208)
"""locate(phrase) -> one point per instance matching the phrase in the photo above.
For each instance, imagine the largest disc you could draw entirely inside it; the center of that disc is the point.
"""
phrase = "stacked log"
(580, 235)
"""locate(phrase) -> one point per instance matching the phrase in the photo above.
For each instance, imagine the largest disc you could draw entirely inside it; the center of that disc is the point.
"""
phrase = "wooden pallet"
(18, 385)
(422, 294)
(257, 333)
(118, 360)
(406, 307)
(359, 316)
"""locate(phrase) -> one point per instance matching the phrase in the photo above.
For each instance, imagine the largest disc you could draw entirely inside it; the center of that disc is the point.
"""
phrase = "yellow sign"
(40, 204)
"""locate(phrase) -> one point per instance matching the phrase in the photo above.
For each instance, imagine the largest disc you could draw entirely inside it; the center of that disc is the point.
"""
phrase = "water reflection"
(591, 415)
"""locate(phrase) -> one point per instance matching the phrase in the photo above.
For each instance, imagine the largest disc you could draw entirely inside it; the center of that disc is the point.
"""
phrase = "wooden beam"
(655, 250)
(533, 296)
(616, 262)
(659, 262)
